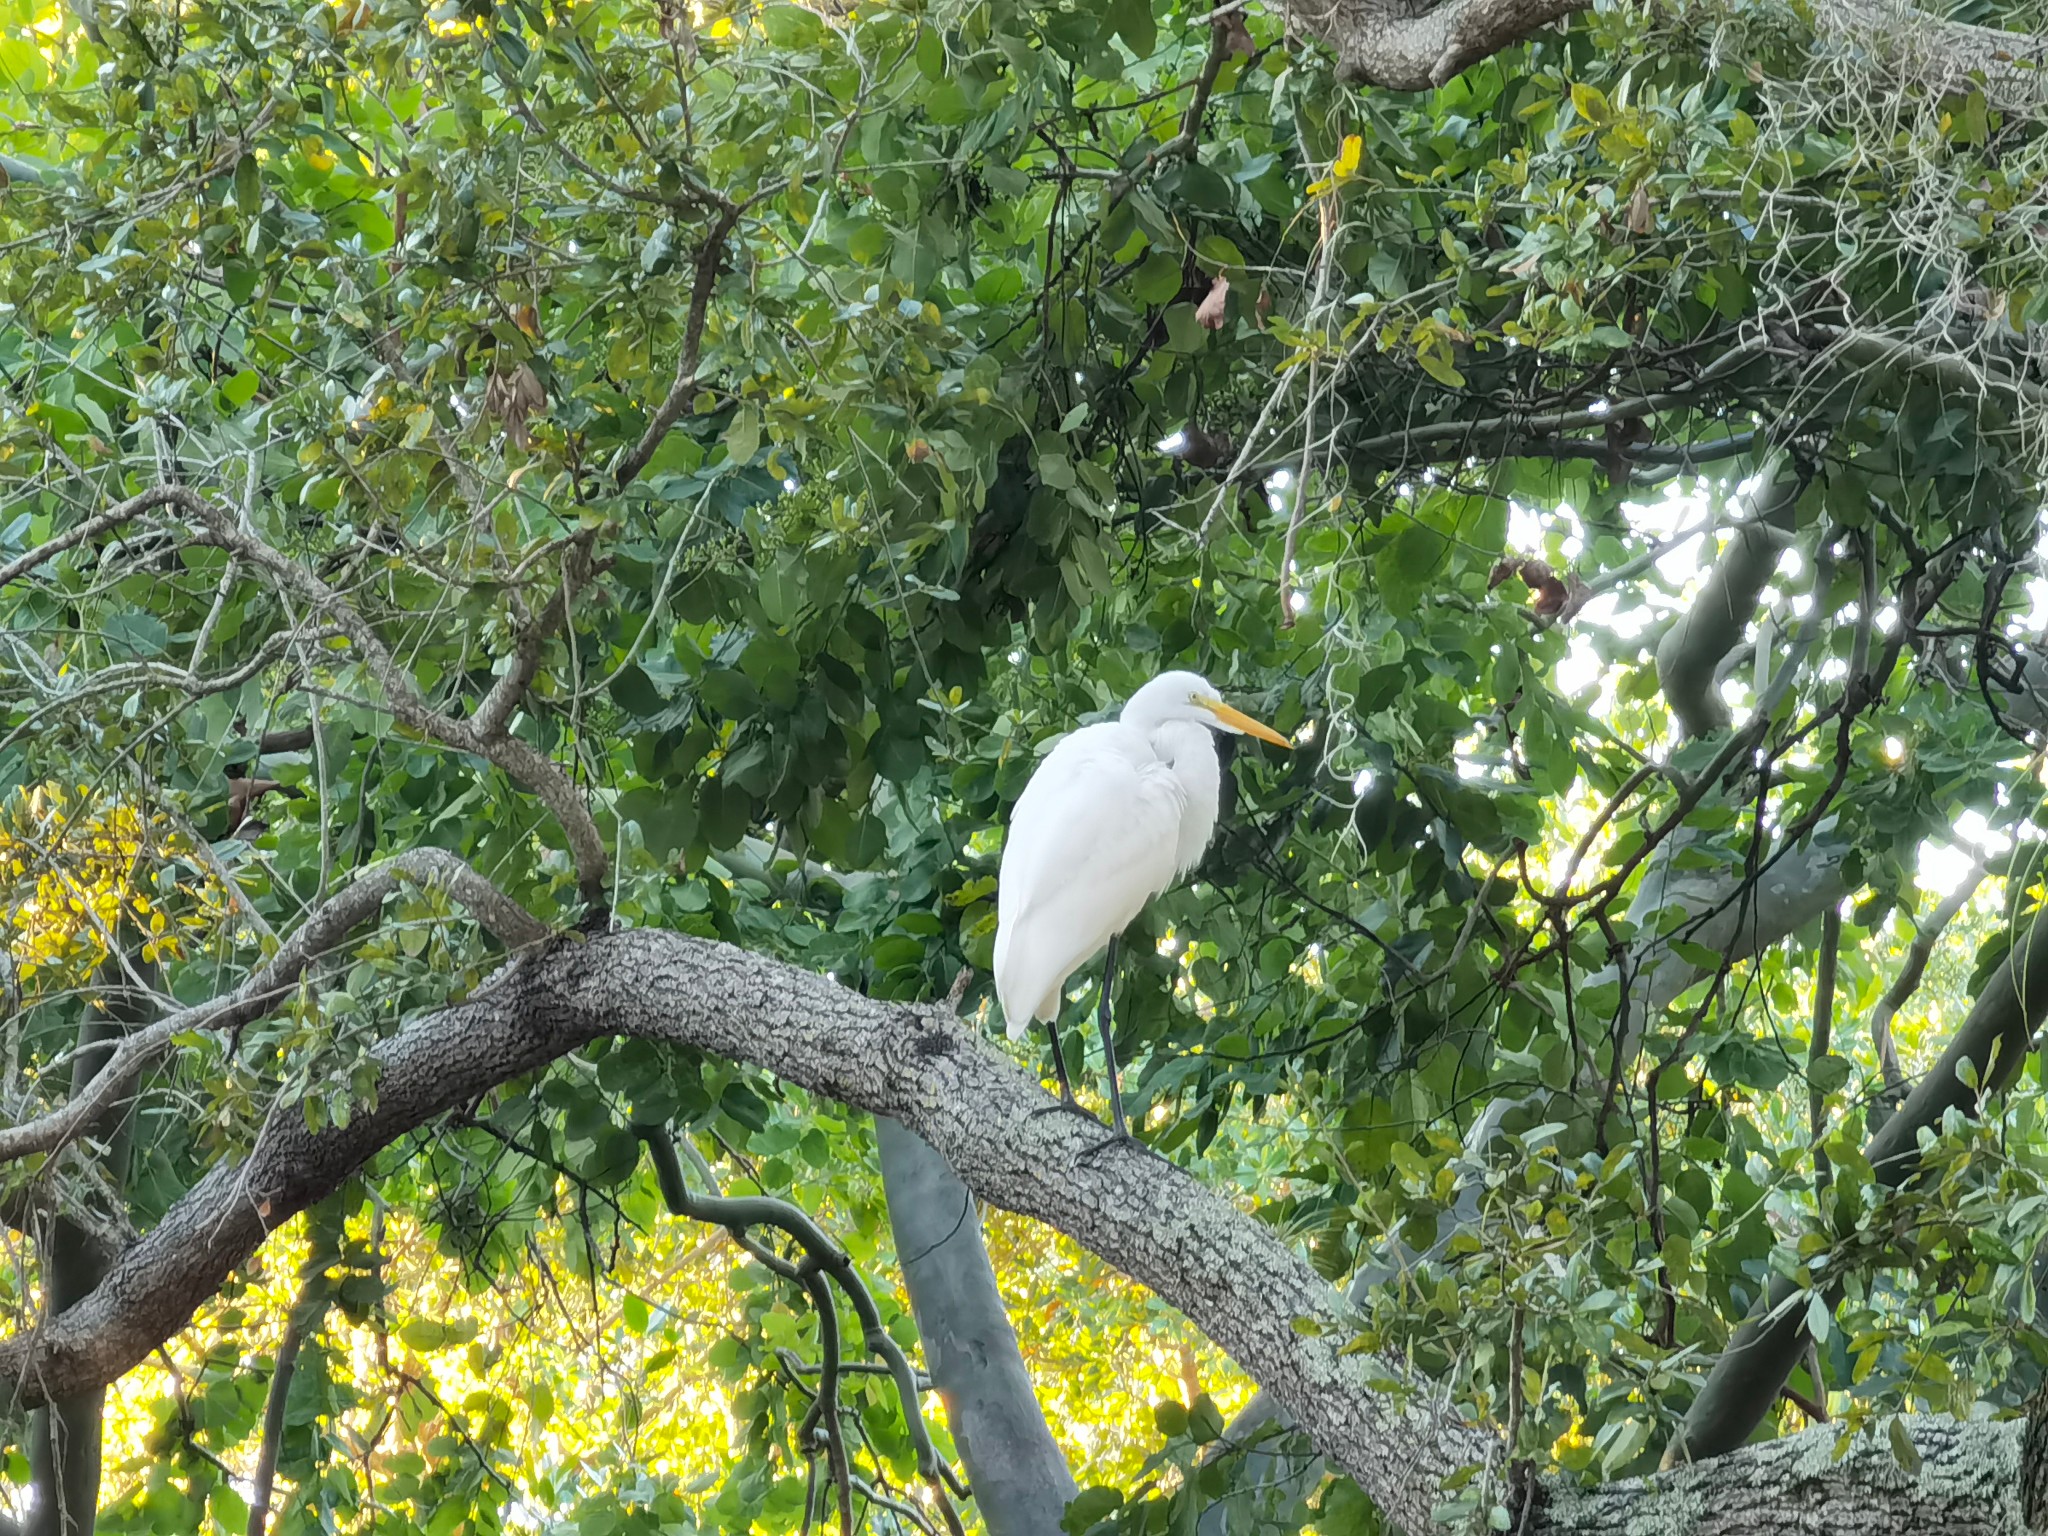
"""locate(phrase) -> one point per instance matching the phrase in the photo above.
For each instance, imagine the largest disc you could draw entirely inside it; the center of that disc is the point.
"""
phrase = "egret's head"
(1188, 696)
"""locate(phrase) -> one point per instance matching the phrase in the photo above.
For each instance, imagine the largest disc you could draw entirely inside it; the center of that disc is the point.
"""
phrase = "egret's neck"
(1189, 750)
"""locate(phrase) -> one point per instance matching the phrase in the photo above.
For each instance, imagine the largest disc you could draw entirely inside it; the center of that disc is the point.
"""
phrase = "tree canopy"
(539, 541)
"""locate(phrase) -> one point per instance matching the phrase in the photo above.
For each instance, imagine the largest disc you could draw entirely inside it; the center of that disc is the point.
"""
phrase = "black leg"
(1059, 1062)
(1067, 1101)
(1116, 1098)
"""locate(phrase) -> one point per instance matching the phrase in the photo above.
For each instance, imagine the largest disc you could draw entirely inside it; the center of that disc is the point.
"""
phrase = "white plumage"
(1112, 817)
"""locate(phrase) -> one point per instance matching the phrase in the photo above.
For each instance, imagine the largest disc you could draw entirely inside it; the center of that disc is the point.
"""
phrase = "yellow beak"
(1244, 722)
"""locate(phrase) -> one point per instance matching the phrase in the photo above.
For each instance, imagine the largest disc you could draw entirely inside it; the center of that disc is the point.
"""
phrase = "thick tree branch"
(65, 1437)
(1993, 1040)
(998, 1128)
(2011, 68)
(1412, 47)
(1690, 653)
(1408, 48)
(983, 1113)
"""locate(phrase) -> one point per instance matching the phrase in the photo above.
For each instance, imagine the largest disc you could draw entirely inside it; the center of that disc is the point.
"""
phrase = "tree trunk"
(1020, 1479)
(64, 1437)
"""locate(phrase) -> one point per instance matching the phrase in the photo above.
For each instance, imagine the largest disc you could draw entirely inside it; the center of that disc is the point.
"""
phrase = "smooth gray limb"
(1020, 1479)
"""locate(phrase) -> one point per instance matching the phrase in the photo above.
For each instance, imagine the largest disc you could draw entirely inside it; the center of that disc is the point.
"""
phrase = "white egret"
(1114, 815)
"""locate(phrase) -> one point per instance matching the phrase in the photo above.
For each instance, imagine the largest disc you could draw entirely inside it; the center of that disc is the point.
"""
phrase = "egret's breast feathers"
(1094, 837)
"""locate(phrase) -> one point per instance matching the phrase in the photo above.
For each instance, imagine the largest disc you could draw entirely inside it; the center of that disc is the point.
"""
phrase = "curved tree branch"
(1411, 47)
(321, 932)
(1993, 1041)
(1691, 651)
(486, 738)
(822, 1258)
(1002, 1134)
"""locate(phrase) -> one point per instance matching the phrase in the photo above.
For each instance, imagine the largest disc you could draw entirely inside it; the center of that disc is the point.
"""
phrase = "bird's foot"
(1064, 1106)
(1114, 1139)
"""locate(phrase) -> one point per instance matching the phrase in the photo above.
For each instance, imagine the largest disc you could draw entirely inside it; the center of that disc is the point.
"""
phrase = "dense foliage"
(787, 421)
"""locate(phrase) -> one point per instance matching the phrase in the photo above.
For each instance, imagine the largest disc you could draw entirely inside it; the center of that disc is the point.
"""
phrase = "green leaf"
(137, 634)
(1132, 21)
(729, 692)
(634, 692)
(1829, 1075)
(1904, 1451)
(540, 1402)
(228, 1509)
(241, 388)
(870, 242)
(1088, 1507)
(424, 1334)
(743, 437)
(658, 252)
(791, 26)
(248, 184)
(1157, 280)
(1184, 331)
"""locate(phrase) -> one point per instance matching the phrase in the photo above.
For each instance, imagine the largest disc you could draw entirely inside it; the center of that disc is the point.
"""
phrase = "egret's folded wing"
(1092, 840)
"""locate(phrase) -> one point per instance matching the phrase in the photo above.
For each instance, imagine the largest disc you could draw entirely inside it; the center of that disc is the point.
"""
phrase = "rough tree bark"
(1412, 45)
(1021, 1481)
(997, 1127)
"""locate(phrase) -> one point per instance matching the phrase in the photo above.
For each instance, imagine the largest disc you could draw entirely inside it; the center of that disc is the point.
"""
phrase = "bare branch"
(91, 528)
(1515, 433)
(822, 1258)
(1188, 140)
(710, 259)
(495, 712)
(532, 768)
(320, 933)
(1907, 982)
